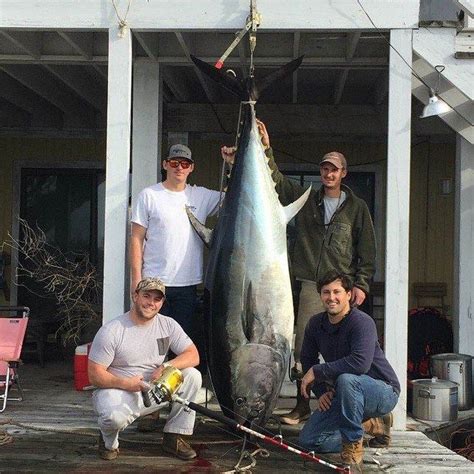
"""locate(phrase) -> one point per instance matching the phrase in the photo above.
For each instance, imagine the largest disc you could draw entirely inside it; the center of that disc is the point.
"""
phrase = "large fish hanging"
(249, 306)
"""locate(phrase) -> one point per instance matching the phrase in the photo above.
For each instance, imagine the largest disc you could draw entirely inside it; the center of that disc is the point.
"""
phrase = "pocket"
(340, 239)
(163, 345)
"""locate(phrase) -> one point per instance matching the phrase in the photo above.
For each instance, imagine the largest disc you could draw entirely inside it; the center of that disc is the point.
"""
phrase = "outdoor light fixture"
(435, 106)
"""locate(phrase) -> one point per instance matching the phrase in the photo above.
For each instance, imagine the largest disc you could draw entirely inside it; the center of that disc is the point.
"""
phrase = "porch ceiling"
(57, 80)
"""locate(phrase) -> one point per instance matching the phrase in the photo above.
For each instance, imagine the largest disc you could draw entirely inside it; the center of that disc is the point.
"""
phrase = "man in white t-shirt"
(131, 349)
(163, 243)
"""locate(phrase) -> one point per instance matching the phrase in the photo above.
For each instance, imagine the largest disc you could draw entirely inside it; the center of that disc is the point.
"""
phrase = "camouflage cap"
(335, 158)
(148, 284)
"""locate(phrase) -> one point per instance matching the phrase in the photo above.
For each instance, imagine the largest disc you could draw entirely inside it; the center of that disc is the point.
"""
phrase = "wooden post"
(398, 205)
(117, 171)
(147, 125)
(463, 248)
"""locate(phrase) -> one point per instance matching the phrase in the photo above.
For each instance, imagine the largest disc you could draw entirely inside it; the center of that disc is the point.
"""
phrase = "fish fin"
(228, 81)
(204, 232)
(278, 75)
(292, 209)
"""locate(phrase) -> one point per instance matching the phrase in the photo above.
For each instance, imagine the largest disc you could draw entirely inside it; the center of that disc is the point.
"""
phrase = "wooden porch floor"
(55, 429)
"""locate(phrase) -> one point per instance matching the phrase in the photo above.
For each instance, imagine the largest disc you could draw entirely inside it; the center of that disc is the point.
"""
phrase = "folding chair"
(12, 333)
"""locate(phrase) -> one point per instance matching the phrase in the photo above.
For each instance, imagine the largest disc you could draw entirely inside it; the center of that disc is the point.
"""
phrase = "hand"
(262, 130)
(357, 296)
(325, 400)
(133, 384)
(307, 382)
(157, 373)
(228, 154)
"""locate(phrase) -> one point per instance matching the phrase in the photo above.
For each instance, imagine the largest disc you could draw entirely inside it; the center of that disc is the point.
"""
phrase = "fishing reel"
(162, 389)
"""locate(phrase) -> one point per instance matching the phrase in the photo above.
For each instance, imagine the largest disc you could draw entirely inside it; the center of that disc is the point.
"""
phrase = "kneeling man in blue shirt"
(356, 386)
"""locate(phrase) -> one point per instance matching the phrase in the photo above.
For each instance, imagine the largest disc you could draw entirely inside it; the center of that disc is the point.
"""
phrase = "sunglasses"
(185, 164)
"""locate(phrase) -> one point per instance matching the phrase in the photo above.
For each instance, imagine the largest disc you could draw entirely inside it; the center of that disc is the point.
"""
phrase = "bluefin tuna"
(250, 312)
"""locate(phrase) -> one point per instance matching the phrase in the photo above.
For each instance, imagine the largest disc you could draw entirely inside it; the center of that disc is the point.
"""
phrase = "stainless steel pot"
(435, 400)
(456, 368)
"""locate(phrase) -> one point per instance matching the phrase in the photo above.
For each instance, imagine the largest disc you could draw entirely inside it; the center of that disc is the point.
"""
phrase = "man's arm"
(366, 252)
(188, 358)
(102, 378)
(136, 254)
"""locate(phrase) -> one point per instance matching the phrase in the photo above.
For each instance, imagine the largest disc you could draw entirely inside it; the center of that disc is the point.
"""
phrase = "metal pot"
(456, 368)
(435, 400)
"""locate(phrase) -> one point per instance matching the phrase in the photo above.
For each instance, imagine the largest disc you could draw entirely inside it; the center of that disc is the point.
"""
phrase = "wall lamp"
(436, 105)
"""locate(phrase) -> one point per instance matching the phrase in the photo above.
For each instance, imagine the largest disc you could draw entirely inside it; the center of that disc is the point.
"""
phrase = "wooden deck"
(54, 429)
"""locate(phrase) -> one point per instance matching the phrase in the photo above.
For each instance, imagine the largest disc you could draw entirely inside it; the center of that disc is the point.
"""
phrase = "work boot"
(174, 444)
(379, 428)
(352, 454)
(149, 423)
(301, 412)
(107, 454)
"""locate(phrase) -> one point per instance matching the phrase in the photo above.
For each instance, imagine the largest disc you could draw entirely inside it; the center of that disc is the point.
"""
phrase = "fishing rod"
(164, 389)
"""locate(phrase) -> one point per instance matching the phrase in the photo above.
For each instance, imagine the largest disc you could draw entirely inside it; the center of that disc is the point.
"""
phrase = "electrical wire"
(414, 73)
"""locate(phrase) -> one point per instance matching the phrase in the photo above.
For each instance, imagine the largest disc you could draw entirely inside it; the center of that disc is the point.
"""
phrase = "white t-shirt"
(129, 349)
(173, 250)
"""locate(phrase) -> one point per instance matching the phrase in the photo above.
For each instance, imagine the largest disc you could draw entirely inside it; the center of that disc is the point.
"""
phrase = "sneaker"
(149, 423)
(352, 454)
(174, 444)
(379, 428)
(300, 413)
(203, 395)
(107, 454)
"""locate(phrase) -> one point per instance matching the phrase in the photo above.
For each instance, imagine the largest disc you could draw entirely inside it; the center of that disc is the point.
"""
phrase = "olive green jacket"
(346, 244)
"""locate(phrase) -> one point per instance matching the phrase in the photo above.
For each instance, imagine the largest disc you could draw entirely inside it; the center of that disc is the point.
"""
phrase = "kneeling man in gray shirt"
(130, 350)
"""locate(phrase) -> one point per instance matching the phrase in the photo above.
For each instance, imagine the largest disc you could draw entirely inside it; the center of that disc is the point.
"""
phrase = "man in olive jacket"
(334, 230)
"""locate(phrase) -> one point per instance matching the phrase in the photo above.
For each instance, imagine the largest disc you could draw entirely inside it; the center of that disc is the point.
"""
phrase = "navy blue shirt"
(348, 347)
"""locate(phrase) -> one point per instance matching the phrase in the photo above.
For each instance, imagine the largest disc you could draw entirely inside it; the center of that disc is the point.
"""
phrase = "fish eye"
(241, 401)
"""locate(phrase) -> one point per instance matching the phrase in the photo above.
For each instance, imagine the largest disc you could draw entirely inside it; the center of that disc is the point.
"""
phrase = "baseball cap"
(180, 151)
(335, 158)
(148, 284)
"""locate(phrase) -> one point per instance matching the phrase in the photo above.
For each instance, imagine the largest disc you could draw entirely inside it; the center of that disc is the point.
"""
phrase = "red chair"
(12, 334)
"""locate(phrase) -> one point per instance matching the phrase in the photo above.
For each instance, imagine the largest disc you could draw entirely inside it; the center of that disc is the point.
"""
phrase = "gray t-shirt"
(331, 205)
(129, 349)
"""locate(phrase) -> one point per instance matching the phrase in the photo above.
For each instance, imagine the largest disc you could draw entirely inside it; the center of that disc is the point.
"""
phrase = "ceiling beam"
(296, 53)
(28, 41)
(77, 79)
(53, 92)
(42, 112)
(211, 96)
(352, 42)
(308, 62)
(81, 42)
(151, 52)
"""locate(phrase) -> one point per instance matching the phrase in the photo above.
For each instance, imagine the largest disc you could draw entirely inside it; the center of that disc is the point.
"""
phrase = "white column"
(464, 248)
(398, 205)
(147, 125)
(117, 171)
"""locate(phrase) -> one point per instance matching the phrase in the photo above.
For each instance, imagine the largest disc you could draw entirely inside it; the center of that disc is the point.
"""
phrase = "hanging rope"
(122, 19)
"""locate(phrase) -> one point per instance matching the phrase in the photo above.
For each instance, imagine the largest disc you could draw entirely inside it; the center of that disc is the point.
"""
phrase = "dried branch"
(74, 284)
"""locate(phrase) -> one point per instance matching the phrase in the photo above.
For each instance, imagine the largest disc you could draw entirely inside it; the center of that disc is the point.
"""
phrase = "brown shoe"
(352, 454)
(107, 454)
(174, 444)
(149, 423)
(379, 428)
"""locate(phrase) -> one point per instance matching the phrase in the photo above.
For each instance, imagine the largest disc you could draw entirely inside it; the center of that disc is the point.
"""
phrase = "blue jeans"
(357, 398)
(180, 304)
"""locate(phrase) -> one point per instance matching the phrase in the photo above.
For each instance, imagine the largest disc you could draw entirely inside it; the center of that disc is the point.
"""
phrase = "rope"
(122, 20)
(468, 450)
